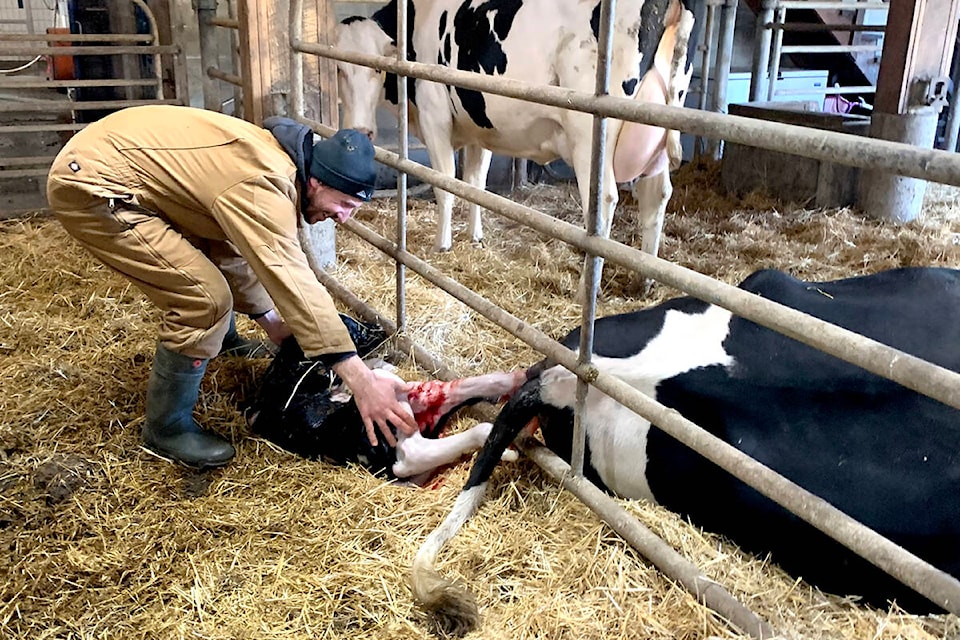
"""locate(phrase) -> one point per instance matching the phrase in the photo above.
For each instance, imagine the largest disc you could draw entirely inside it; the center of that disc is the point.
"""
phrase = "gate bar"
(857, 151)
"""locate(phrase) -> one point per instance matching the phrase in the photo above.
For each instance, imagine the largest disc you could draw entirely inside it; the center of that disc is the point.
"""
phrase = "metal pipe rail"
(857, 151)
(24, 173)
(840, 5)
(829, 91)
(75, 37)
(71, 84)
(35, 128)
(830, 48)
(38, 50)
(229, 78)
(818, 26)
(25, 161)
(50, 105)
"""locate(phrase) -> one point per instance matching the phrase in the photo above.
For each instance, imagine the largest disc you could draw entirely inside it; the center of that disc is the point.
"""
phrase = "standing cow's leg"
(476, 164)
(652, 193)
(582, 151)
(436, 130)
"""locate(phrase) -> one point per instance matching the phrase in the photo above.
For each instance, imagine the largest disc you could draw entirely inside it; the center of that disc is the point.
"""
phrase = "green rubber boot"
(170, 430)
(234, 345)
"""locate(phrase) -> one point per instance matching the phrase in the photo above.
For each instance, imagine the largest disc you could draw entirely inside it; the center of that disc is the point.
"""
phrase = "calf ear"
(366, 336)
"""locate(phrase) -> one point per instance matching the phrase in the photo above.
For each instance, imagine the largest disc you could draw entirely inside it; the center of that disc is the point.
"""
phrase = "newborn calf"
(304, 408)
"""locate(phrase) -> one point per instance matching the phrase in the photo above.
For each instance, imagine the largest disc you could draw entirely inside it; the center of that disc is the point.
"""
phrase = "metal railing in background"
(769, 48)
(56, 45)
(208, 23)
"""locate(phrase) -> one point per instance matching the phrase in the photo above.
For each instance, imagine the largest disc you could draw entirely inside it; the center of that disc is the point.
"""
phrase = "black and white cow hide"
(543, 43)
(885, 455)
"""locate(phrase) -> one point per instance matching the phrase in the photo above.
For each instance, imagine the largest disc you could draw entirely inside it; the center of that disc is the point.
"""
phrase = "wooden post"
(265, 59)
(911, 91)
(320, 20)
(250, 14)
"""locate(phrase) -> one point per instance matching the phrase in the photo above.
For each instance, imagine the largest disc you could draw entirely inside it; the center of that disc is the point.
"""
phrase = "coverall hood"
(297, 140)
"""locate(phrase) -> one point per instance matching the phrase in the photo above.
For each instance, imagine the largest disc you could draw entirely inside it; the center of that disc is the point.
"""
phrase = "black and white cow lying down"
(883, 454)
(301, 406)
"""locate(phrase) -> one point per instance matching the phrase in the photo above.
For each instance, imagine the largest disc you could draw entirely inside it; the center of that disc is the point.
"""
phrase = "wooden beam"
(326, 76)
(250, 36)
(917, 48)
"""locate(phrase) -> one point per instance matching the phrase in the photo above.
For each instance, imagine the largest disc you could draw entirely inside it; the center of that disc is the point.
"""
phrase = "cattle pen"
(280, 547)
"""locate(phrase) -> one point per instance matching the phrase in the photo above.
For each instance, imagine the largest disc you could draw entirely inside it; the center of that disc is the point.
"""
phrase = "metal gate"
(65, 63)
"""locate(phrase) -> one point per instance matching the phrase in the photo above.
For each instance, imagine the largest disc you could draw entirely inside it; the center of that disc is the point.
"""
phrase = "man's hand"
(275, 327)
(376, 400)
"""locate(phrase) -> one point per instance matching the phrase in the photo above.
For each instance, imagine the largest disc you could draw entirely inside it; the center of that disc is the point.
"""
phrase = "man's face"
(324, 203)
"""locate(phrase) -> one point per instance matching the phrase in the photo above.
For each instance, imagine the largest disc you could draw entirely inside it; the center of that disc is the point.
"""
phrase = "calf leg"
(444, 599)
(434, 400)
(416, 454)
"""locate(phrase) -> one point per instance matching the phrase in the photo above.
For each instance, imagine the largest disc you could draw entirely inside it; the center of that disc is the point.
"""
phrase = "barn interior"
(102, 539)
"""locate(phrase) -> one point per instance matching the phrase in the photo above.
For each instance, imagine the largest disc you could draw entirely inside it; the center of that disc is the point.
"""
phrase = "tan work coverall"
(200, 211)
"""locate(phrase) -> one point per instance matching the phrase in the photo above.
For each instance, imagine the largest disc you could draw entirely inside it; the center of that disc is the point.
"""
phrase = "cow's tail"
(451, 604)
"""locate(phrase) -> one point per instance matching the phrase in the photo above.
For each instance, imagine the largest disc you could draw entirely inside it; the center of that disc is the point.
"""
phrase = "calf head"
(301, 406)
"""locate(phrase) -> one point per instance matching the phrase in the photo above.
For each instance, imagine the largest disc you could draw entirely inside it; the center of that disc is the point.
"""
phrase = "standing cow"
(541, 42)
(885, 455)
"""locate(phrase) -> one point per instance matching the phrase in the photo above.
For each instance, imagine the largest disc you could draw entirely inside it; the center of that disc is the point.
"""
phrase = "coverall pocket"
(128, 213)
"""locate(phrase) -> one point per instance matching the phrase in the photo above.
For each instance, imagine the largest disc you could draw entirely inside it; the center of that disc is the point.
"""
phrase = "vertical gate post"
(728, 20)
(911, 91)
(209, 57)
(761, 50)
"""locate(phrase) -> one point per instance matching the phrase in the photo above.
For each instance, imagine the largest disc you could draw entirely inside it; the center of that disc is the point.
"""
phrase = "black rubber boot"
(234, 345)
(170, 430)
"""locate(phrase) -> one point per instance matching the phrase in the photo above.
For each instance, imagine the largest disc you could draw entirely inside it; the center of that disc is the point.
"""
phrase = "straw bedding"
(101, 540)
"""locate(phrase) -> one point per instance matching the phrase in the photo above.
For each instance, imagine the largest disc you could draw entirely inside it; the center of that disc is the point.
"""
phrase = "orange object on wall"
(60, 67)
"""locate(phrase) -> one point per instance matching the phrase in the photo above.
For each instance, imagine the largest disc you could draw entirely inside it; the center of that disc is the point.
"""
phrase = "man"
(200, 211)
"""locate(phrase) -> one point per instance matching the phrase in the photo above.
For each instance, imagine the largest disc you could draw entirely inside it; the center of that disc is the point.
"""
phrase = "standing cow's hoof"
(639, 287)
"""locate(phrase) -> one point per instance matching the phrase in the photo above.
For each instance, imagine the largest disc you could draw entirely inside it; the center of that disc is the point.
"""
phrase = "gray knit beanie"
(345, 162)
